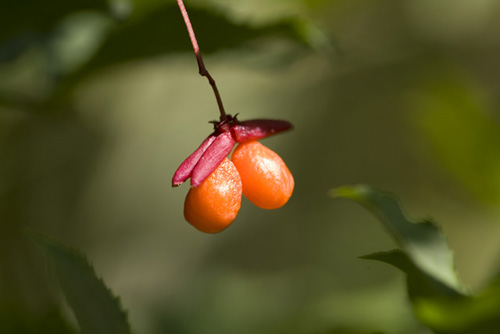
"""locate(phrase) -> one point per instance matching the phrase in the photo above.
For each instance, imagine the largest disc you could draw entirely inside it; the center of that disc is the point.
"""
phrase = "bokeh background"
(100, 101)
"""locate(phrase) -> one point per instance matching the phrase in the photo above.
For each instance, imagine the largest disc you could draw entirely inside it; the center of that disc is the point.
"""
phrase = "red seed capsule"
(256, 129)
(202, 162)
(211, 159)
(186, 168)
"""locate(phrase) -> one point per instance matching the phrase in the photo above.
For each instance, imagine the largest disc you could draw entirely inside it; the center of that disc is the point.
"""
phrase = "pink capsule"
(185, 169)
(256, 129)
(211, 159)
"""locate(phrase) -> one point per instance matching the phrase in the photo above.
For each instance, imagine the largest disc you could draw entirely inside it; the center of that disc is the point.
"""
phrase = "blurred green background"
(100, 101)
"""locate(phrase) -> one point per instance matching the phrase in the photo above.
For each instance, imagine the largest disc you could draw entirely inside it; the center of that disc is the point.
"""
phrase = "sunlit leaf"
(420, 283)
(423, 242)
(93, 304)
(437, 297)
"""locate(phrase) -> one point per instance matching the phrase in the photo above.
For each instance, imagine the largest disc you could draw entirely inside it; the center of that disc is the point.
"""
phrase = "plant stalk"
(201, 66)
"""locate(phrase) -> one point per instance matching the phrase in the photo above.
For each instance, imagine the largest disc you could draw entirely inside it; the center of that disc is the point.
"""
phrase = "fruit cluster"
(218, 183)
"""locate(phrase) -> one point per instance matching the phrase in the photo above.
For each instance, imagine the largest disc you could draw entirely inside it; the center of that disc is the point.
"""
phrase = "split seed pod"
(212, 151)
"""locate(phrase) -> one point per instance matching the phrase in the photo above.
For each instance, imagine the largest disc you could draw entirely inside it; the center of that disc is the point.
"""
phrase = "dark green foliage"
(146, 33)
(13, 320)
(27, 22)
(93, 304)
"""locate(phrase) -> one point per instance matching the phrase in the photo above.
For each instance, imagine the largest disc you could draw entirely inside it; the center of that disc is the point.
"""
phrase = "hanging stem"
(201, 66)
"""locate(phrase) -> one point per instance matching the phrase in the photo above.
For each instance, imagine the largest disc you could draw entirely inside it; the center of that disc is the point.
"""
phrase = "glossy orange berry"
(267, 182)
(212, 206)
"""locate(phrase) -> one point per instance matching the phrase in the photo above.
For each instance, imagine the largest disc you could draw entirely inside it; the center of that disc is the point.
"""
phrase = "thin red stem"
(201, 66)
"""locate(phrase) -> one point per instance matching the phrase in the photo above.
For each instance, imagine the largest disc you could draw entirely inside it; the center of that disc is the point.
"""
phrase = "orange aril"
(267, 182)
(212, 206)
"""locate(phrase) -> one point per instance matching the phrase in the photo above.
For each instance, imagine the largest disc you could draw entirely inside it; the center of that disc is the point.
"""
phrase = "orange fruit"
(212, 206)
(267, 182)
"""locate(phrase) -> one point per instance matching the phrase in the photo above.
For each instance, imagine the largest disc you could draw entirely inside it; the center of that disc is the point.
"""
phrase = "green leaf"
(93, 304)
(437, 297)
(420, 283)
(423, 242)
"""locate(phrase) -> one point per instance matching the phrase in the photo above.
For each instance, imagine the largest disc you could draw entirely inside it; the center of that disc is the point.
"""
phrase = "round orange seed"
(212, 206)
(267, 182)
